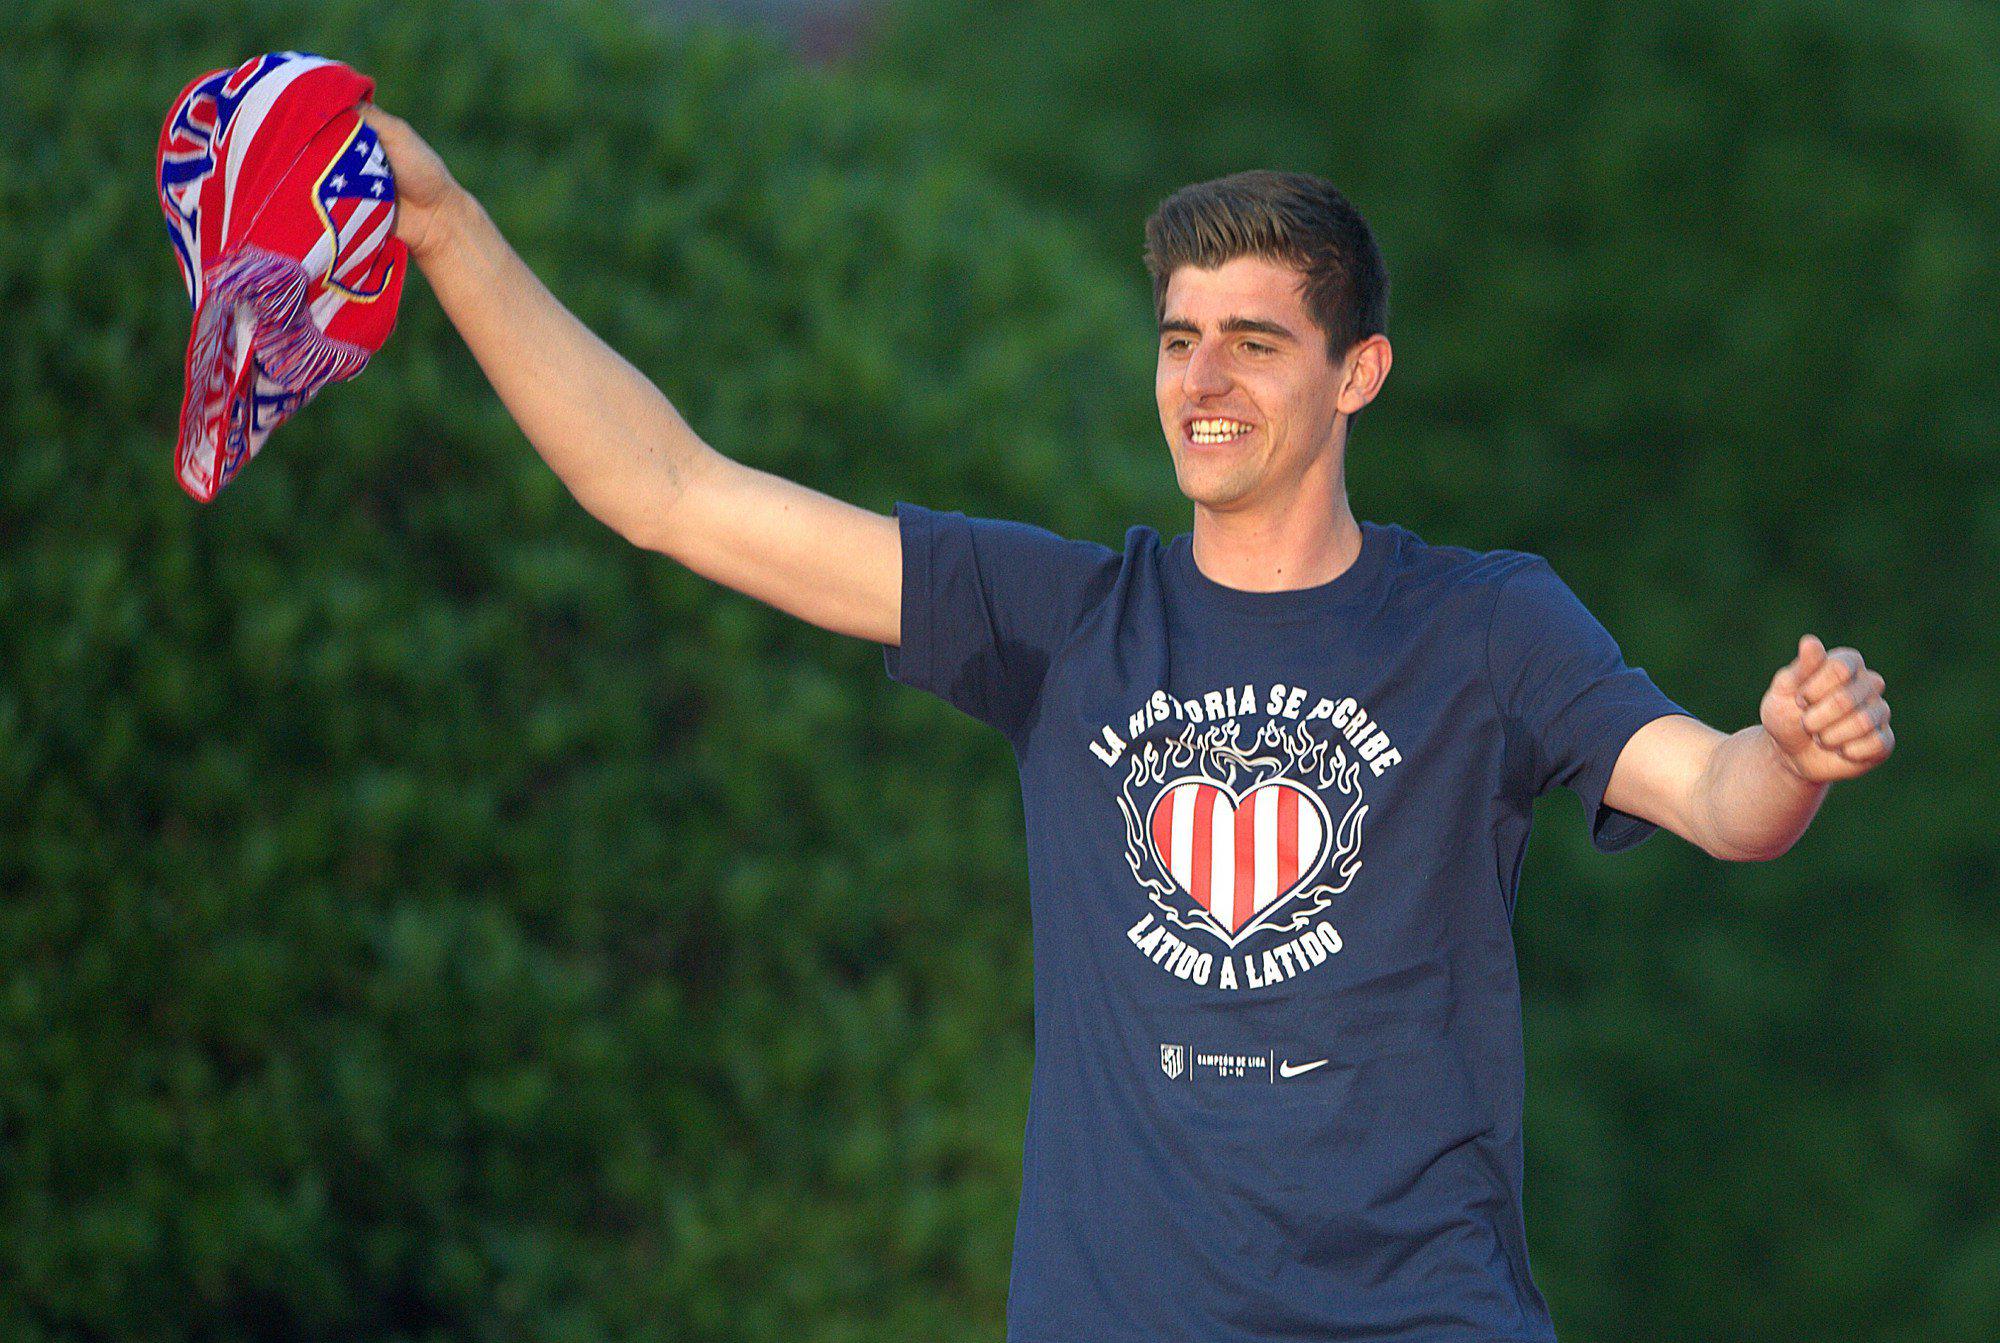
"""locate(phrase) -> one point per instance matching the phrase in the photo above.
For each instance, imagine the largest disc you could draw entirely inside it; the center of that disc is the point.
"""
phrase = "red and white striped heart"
(1238, 856)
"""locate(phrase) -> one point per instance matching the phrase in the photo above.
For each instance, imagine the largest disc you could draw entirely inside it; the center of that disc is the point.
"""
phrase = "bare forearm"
(608, 432)
(1753, 806)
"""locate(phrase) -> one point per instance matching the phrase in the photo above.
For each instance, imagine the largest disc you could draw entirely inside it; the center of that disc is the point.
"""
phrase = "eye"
(1253, 345)
(1174, 342)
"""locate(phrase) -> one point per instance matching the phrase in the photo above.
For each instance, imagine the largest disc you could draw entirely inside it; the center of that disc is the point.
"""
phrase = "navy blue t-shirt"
(1273, 841)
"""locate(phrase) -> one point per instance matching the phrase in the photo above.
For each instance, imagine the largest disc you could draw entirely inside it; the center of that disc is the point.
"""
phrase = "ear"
(1367, 367)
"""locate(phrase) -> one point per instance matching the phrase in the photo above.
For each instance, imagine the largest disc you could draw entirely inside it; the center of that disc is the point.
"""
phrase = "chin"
(1211, 493)
(1217, 484)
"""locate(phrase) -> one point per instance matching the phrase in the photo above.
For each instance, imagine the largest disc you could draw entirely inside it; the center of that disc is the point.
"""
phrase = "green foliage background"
(428, 917)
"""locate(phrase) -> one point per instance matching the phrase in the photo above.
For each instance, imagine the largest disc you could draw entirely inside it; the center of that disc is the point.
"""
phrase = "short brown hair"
(1295, 219)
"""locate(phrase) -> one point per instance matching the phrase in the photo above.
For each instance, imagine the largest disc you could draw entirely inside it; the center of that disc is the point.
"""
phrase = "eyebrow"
(1229, 324)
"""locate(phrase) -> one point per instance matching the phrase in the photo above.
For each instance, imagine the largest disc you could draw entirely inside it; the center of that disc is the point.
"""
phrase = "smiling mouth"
(1218, 430)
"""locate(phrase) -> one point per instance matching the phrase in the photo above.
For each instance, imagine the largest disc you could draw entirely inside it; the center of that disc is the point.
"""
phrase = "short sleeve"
(986, 605)
(1562, 686)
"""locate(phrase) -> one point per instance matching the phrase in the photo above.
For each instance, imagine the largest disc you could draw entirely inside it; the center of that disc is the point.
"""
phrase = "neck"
(1299, 534)
(1306, 544)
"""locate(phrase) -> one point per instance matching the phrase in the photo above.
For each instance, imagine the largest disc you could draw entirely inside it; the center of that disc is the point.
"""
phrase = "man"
(1277, 778)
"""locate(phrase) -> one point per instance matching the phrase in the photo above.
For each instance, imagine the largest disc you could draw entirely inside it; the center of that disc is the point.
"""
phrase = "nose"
(1204, 374)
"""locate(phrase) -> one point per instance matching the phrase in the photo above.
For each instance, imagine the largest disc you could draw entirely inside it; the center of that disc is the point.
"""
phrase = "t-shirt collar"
(1338, 592)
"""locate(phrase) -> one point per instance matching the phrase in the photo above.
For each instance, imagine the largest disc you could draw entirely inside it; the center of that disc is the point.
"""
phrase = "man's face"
(1237, 345)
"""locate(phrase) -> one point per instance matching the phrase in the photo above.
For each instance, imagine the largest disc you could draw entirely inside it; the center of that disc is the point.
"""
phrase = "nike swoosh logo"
(1288, 1069)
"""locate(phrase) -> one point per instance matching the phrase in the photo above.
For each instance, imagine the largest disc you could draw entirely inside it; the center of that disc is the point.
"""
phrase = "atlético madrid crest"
(356, 200)
(1236, 840)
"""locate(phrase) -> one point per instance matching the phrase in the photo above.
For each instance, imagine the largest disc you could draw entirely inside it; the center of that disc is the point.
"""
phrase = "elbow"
(1733, 854)
(656, 515)
(1734, 837)
(618, 510)
(643, 537)
(641, 524)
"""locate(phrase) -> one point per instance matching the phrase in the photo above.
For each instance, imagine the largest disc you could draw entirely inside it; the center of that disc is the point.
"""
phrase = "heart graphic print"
(1238, 856)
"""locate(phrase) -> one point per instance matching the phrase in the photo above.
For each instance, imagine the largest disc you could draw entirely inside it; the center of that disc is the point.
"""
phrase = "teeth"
(1217, 431)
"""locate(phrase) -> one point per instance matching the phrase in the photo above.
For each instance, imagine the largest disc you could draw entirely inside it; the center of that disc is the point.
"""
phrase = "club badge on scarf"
(282, 214)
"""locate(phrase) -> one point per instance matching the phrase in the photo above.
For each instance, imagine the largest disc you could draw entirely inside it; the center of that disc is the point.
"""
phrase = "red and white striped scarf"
(282, 212)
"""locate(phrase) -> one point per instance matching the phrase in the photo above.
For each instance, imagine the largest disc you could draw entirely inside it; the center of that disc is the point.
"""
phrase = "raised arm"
(616, 441)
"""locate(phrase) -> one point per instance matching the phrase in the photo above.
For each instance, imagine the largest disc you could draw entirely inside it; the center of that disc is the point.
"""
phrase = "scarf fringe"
(289, 353)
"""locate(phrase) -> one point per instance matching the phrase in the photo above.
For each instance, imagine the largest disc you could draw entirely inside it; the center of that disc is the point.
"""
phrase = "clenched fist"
(1826, 713)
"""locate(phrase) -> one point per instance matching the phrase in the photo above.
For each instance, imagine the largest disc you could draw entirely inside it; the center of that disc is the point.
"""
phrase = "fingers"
(1811, 662)
(1871, 747)
(1793, 674)
(1830, 671)
(1840, 687)
(1839, 699)
(1868, 748)
(385, 124)
(1866, 722)
(382, 123)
